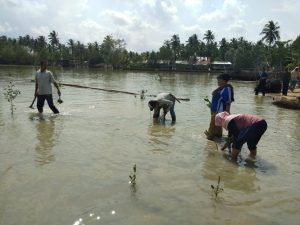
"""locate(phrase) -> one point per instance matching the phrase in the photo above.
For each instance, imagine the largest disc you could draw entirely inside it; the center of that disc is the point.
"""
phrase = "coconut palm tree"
(175, 43)
(270, 32)
(192, 45)
(209, 37)
(54, 41)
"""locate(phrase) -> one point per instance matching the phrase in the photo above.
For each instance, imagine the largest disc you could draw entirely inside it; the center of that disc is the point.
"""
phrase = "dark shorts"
(251, 135)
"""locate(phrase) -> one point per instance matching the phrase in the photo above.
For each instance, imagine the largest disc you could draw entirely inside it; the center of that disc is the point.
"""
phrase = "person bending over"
(242, 128)
(165, 101)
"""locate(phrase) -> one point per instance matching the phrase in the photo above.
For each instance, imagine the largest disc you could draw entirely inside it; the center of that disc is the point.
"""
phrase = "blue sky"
(146, 24)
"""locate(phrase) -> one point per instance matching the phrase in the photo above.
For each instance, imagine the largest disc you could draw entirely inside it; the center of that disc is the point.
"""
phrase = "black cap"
(223, 76)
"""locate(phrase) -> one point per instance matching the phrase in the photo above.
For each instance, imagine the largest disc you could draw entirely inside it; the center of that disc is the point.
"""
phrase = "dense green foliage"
(269, 51)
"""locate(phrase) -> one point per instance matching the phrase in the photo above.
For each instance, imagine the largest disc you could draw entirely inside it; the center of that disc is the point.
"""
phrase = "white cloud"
(286, 6)
(5, 27)
(238, 28)
(228, 12)
(146, 24)
(31, 8)
(166, 11)
(118, 18)
(40, 30)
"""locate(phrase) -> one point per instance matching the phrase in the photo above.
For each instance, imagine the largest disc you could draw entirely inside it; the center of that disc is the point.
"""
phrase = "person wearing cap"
(261, 87)
(222, 97)
(294, 78)
(242, 128)
(165, 101)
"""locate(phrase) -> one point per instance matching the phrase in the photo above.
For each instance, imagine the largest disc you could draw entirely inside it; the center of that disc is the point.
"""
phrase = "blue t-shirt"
(220, 99)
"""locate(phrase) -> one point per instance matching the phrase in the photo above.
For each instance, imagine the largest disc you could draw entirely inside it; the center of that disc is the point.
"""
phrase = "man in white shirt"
(43, 88)
(166, 101)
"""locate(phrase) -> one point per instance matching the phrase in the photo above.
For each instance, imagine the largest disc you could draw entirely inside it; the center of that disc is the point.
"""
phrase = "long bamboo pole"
(112, 90)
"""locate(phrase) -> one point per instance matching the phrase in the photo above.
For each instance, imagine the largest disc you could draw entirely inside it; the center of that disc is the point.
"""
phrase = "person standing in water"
(165, 101)
(222, 97)
(286, 77)
(262, 82)
(242, 128)
(294, 79)
(43, 88)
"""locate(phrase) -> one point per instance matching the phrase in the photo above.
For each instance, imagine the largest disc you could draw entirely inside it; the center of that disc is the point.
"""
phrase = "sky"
(146, 24)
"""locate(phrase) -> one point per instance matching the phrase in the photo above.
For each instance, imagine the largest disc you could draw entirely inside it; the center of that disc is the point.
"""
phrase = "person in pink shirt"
(242, 128)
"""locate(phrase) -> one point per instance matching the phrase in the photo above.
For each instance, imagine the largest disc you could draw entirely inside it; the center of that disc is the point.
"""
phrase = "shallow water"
(73, 168)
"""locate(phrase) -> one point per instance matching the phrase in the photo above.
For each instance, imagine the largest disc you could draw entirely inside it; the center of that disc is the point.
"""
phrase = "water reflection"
(159, 134)
(46, 140)
(232, 174)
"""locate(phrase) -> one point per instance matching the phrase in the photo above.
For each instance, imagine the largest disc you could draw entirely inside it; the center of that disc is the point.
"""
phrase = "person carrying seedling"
(43, 88)
(242, 128)
(221, 100)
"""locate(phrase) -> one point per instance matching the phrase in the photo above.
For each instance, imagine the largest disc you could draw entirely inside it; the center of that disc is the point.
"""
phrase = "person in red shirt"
(242, 128)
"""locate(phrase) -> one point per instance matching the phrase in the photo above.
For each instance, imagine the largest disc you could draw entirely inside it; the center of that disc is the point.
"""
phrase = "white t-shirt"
(295, 74)
(44, 80)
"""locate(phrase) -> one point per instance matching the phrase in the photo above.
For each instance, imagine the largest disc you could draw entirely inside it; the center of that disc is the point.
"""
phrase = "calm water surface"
(73, 168)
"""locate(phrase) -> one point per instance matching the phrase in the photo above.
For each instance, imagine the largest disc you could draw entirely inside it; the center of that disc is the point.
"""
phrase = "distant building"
(220, 66)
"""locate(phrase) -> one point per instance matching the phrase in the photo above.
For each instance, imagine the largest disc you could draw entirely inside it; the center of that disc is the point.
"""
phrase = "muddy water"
(73, 168)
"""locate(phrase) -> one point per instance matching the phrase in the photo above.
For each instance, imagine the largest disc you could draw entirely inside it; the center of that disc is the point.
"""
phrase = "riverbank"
(291, 101)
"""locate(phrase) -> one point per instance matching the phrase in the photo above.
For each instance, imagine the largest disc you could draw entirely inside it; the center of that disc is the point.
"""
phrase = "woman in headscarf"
(242, 128)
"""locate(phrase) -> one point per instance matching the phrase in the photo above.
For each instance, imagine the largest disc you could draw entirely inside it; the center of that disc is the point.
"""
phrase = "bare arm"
(36, 88)
(57, 87)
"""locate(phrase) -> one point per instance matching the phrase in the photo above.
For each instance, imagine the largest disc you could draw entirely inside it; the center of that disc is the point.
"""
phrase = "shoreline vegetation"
(237, 56)
(241, 59)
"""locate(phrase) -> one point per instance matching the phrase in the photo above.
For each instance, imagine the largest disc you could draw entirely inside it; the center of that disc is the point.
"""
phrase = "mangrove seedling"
(209, 136)
(217, 189)
(229, 141)
(10, 94)
(208, 102)
(142, 93)
(132, 176)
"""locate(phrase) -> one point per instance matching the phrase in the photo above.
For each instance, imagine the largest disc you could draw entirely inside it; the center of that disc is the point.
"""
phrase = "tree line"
(269, 51)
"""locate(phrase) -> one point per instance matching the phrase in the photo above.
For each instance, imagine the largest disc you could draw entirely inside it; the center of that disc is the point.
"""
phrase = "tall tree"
(223, 48)
(192, 47)
(54, 41)
(270, 32)
(209, 37)
(175, 43)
